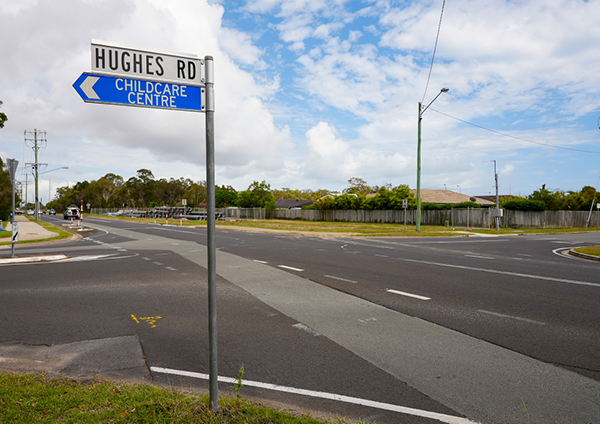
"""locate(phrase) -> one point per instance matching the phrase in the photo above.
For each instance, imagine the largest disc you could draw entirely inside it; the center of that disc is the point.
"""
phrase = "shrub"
(525, 205)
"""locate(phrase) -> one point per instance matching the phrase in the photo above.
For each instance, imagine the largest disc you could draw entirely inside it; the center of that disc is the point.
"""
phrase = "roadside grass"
(60, 233)
(589, 250)
(355, 228)
(38, 397)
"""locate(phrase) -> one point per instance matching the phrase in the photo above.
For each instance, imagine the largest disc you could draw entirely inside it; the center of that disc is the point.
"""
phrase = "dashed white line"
(260, 262)
(290, 268)
(496, 314)
(479, 257)
(303, 327)
(171, 268)
(493, 271)
(449, 419)
(341, 279)
(401, 293)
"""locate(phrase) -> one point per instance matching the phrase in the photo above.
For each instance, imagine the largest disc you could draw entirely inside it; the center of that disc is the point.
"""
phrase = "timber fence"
(470, 217)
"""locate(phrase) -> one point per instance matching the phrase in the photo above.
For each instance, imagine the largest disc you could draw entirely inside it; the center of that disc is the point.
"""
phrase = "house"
(292, 203)
(443, 197)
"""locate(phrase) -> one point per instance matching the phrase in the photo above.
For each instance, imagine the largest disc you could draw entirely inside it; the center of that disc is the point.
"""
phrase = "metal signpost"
(130, 76)
(404, 206)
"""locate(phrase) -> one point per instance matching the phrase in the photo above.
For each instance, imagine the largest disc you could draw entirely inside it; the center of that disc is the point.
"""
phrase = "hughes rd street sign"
(120, 90)
(112, 58)
(131, 76)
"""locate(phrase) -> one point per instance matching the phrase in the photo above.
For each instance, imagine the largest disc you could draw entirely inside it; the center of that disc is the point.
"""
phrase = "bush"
(446, 206)
(525, 205)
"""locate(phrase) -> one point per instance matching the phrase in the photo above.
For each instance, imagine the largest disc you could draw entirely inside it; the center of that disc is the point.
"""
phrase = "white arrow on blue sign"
(126, 91)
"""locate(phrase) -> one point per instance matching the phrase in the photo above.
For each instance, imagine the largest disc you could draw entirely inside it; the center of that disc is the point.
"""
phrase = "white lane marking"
(565, 242)
(303, 327)
(416, 296)
(382, 256)
(493, 271)
(94, 258)
(171, 268)
(496, 314)
(341, 279)
(449, 419)
(479, 257)
(290, 268)
(260, 262)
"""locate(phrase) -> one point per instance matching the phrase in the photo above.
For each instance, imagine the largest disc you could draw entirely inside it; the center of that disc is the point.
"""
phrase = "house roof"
(292, 203)
(448, 197)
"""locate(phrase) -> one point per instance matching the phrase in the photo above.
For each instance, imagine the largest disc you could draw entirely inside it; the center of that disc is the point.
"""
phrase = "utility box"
(497, 213)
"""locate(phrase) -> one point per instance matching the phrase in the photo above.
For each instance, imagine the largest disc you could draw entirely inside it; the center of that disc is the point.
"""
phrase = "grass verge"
(60, 233)
(36, 398)
(356, 228)
(589, 250)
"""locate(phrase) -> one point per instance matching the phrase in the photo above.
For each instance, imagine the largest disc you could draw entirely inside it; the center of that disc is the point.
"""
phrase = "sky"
(311, 93)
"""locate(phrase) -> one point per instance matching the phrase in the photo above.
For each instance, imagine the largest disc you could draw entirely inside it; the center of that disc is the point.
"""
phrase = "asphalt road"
(527, 303)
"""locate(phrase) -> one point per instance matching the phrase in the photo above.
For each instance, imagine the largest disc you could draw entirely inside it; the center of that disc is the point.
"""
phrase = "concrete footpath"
(30, 230)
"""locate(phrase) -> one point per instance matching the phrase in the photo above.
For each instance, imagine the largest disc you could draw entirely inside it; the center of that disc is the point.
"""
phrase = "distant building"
(444, 197)
(292, 203)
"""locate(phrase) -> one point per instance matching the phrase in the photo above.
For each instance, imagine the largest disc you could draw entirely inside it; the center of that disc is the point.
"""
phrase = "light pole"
(421, 112)
(49, 181)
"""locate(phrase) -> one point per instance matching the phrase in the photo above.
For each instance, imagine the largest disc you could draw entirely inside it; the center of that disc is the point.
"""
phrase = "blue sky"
(311, 93)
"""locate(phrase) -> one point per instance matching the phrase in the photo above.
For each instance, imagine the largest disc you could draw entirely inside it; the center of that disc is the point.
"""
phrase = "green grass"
(589, 250)
(357, 228)
(40, 398)
(60, 233)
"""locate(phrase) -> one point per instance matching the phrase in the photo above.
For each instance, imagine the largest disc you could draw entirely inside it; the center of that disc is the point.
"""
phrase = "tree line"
(143, 191)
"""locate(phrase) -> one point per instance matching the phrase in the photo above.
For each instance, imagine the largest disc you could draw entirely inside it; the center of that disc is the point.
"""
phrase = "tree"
(391, 199)
(169, 192)
(196, 194)
(359, 186)
(258, 195)
(553, 199)
(5, 192)
(3, 119)
(225, 196)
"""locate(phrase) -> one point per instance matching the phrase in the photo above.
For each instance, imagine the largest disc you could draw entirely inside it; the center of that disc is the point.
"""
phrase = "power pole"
(37, 142)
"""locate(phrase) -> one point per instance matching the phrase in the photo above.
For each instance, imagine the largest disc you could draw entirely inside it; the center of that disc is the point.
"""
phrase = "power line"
(434, 50)
(515, 137)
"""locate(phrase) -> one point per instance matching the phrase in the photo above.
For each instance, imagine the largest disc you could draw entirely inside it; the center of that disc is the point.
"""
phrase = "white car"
(71, 213)
(30, 212)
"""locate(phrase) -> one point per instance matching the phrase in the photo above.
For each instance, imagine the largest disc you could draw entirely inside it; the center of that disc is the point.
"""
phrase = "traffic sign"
(112, 58)
(121, 90)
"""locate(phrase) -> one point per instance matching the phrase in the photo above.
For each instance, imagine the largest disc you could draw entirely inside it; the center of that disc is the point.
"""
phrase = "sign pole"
(210, 228)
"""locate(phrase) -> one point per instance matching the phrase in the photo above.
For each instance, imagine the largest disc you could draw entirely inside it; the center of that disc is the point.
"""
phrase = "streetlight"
(421, 112)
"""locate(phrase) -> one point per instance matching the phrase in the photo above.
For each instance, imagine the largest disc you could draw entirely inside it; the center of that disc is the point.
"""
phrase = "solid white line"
(531, 321)
(416, 296)
(341, 279)
(479, 257)
(493, 271)
(449, 419)
(290, 268)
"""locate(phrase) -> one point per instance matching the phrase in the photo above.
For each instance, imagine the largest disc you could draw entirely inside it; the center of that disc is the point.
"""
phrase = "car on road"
(71, 212)
(30, 212)
(52, 212)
